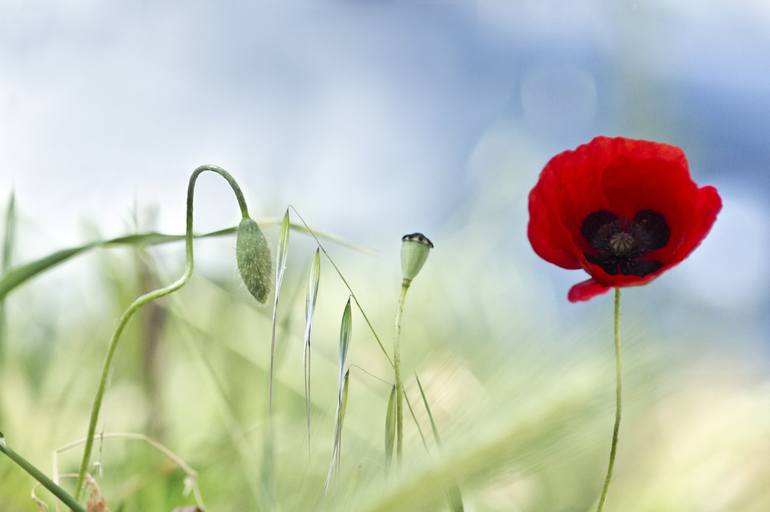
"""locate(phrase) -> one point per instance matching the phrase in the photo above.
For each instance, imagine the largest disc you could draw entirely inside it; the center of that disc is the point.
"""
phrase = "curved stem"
(145, 299)
(618, 402)
(397, 372)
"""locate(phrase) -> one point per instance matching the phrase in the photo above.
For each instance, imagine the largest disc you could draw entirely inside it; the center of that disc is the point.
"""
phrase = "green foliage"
(523, 404)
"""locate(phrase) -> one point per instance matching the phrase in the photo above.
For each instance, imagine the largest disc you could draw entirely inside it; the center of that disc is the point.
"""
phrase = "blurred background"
(374, 119)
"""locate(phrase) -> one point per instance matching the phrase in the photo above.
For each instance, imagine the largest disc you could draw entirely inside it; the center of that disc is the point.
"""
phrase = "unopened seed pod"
(253, 256)
(414, 251)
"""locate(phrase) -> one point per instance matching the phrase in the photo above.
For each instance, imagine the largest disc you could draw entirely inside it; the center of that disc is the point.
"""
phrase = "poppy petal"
(586, 290)
(707, 206)
(549, 237)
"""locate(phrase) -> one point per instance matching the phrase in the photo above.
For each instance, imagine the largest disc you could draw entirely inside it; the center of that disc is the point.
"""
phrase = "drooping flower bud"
(253, 256)
(414, 251)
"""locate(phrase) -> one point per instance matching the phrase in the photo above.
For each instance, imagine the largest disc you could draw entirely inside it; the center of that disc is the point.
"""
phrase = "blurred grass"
(523, 404)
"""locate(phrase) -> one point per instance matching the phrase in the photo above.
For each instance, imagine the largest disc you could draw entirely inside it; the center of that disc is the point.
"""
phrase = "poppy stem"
(618, 402)
(141, 301)
(397, 375)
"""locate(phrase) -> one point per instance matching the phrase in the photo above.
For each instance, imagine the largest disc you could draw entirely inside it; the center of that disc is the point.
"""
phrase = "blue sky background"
(384, 117)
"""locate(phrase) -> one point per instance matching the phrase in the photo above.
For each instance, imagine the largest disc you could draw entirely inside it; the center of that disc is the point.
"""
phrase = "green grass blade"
(281, 255)
(310, 303)
(390, 428)
(346, 327)
(9, 233)
(19, 275)
(283, 247)
(268, 454)
(416, 423)
(427, 408)
(454, 496)
(343, 410)
(9, 240)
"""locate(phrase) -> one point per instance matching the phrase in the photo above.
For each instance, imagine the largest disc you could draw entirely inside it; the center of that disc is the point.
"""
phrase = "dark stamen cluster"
(620, 244)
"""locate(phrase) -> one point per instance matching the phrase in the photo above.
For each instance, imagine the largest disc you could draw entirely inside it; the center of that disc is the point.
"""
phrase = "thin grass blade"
(390, 429)
(19, 275)
(9, 234)
(416, 423)
(427, 408)
(345, 330)
(9, 240)
(281, 255)
(283, 248)
(310, 303)
(454, 496)
(341, 420)
(346, 327)
(268, 452)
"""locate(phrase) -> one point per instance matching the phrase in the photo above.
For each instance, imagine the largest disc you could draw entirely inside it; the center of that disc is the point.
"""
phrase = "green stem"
(618, 403)
(145, 299)
(40, 477)
(397, 372)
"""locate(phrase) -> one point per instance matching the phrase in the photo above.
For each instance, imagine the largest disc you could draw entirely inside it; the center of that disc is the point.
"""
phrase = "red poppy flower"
(623, 210)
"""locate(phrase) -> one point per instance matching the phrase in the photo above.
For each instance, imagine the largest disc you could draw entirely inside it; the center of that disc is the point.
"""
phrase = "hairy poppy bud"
(414, 251)
(253, 257)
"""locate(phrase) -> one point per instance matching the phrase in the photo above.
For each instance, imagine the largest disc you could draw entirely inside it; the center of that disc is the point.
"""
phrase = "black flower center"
(619, 245)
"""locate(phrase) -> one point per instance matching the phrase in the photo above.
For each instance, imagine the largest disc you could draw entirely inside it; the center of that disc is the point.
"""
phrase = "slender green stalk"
(397, 374)
(40, 477)
(618, 402)
(145, 299)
